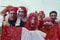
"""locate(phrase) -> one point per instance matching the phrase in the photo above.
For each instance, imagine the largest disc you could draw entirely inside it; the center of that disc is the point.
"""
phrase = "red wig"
(28, 23)
(24, 9)
(6, 10)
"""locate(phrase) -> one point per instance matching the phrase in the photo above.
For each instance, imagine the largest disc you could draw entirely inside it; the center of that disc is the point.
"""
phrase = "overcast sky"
(32, 5)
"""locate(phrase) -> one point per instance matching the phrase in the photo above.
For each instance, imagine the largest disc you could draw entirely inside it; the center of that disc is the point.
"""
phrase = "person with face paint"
(49, 29)
(32, 21)
(31, 25)
(41, 15)
(21, 16)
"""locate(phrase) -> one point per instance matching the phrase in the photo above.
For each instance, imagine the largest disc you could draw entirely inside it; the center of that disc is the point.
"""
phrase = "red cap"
(6, 10)
(47, 19)
(13, 9)
(23, 8)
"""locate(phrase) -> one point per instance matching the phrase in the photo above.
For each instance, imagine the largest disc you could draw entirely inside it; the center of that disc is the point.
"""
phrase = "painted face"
(47, 23)
(32, 21)
(12, 15)
(20, 12)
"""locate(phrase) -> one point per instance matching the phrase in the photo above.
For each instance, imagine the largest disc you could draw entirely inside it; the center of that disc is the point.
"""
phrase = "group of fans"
(17, 17)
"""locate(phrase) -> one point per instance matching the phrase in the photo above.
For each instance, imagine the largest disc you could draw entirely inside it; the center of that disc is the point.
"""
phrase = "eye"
(21, 11)
(53, 15)
(11, 13)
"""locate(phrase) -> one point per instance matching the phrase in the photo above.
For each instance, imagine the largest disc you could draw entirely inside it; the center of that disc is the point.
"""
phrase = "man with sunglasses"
(53, 16)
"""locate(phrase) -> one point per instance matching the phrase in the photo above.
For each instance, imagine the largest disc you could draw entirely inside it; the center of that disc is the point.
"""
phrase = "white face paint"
(48, 25)
(32, 21)
(20, 12)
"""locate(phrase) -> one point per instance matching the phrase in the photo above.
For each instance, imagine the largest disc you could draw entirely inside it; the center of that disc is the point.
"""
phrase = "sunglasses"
(21, 11)
(53, 15)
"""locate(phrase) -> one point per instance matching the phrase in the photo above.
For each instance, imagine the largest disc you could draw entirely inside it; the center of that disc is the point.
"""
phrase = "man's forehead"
(12, 11)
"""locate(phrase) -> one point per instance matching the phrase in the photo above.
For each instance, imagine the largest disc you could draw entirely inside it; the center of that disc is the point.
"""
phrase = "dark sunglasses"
(21, 11)
(53, 15)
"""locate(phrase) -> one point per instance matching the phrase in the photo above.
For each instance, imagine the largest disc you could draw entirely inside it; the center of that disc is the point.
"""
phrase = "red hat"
(41, 12)
(23, 8)
(47, 19)
(13, 9)
(6, 10)
(28, 23)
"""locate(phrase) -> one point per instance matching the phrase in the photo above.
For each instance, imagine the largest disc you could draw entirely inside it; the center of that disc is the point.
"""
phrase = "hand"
(5, 23)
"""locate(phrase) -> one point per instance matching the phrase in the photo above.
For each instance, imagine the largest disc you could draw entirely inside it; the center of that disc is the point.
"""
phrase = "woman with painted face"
(32, 21)
(21, 16)
(32, 26)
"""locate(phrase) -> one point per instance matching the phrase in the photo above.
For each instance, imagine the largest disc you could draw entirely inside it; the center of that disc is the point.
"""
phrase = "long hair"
(28, 23)
(24, 9)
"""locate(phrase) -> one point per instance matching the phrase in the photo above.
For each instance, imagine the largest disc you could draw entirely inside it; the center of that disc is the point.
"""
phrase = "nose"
(32, 21)
(11, 14)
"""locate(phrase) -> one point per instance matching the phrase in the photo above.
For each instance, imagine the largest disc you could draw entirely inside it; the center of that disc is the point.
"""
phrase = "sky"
(32, 5)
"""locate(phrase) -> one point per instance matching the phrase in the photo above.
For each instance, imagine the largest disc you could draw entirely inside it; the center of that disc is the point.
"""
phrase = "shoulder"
(57, 20)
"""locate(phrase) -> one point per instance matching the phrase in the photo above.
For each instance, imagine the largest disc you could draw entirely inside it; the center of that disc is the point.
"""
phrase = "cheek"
(52, 16)
(15, 15)
(20, 13)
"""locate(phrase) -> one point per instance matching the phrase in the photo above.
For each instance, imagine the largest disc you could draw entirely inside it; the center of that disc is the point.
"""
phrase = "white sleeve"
(42, 34)
(25, 34)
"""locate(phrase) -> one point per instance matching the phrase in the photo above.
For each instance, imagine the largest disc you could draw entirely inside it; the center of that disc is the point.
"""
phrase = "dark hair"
(53, 12)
